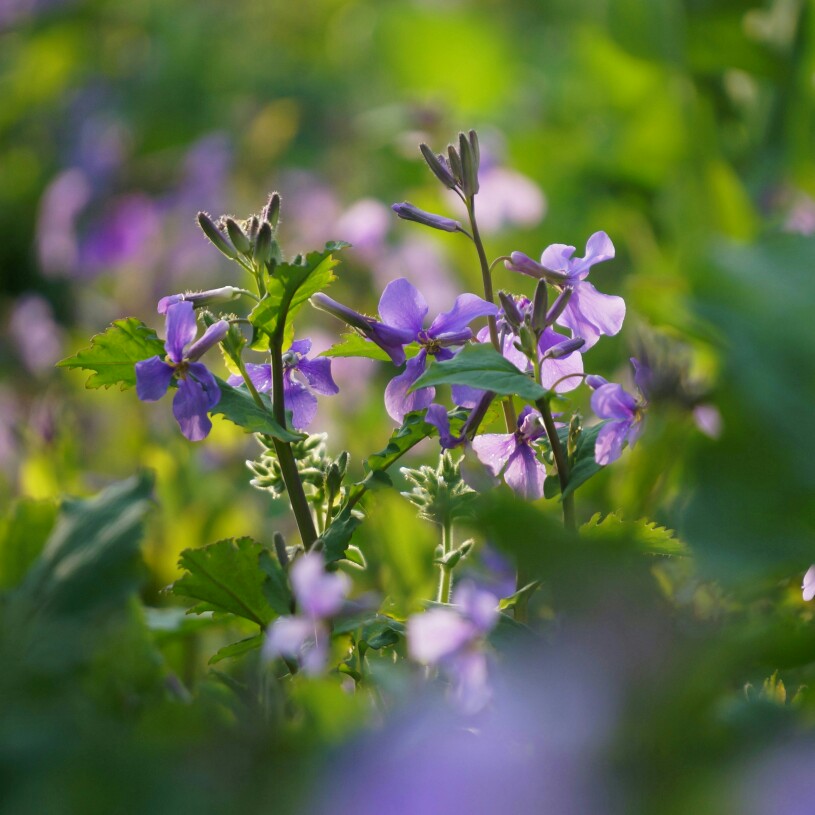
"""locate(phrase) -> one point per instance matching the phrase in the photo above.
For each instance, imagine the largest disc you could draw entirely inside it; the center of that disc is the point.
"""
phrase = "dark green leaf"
(112, 355)
(226, 576)
(481, 366)
(354, 345)
(240, 408)
(237, 649)
(23, 533)
(91, 559)
(584, 467)
(276, 587)
(335, 539)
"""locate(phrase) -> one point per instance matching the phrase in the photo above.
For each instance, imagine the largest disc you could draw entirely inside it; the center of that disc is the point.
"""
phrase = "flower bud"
(595, 381)
(238, 236)
(559, 306)
(271, 212)
(252, 227)
(439, 167)
(473, 136)
(469, 166)
(263, 244)
(212, 336)
(215, 236)
(563, 349)
(511, 312)
(455, 163)
(540, 303)
(225, 294)
(408, 212)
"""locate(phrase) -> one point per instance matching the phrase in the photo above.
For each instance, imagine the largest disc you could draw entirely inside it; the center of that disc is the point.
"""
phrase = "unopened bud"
(238, 236)
(212, 336)
(439, 167)
(511, 312)
(559, 306)
(563, 349)
(473, 136)
(408, 212)
(540, 303)
(595, 381)
(263, 244)
(199, 299)
(469, 166)
(271, 212)
(455, 163)
(216, 237)
(252, 227)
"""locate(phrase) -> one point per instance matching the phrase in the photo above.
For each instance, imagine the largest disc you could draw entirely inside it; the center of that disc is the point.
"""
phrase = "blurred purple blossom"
(35, 334)
(808, 585)
(624, 414)
(304, 636)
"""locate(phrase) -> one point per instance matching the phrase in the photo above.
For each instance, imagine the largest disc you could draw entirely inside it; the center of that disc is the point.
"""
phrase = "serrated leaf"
(236, 649)
(91, 560)
(289, 288)
(237, 405)
(584, 466)
(227, 576)
(354, 345)
(648, 535)
(113, 354)
(23, 533)
(276, 587)
(481, 366)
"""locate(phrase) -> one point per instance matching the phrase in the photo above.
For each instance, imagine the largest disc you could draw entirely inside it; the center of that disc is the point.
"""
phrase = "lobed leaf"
(646, 535)
(113, 354)
(240, 408)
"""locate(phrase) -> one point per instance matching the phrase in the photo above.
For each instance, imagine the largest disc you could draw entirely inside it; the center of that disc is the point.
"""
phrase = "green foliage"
(481, 366)
(23, 533)
(338, 535)
(289, 289)
(644, 534)
(237, 649)
(112, 355)
(584, 465)
(227, 577)
(237, 405)
(354, 345)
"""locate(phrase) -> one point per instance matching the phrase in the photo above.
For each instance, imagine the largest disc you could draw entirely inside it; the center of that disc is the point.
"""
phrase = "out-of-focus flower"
(365, 225)
(513, 455)
(809, 584)
(588, 314)
(451, 638)
(198, 392)
(624, 415)
(297, 395)
(63, 201)
(35, 334)
(801, 216)
(304, 636)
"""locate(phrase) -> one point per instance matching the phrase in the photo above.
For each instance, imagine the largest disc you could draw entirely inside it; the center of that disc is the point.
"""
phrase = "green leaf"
(584, 465)
(227, 576)
(276, 587)
(481, 366)
(354, 345)
(647, 535)
(290, 287)
(23, 533)
(91, 560)
(335, 539)
(112, 355)
(240, 408)
(522, 594)
(237, 649)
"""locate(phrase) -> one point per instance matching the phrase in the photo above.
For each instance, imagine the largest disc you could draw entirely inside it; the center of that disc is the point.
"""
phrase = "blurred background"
(683, 128)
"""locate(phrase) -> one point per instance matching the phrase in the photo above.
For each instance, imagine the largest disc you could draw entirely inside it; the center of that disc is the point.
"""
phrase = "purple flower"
(297, 395)
(402, 311)
(624, 412)
(588, 313)
(451, 638)
(809, 584)
(513, 455)
(320, 595)
(198, 392)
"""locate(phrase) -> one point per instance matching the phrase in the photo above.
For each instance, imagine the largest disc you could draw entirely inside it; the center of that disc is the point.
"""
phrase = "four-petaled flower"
(304, 636)
(198, 392)
(452, 639)
(624, 414)
(513, 455)
(588, 313)
(297, 396)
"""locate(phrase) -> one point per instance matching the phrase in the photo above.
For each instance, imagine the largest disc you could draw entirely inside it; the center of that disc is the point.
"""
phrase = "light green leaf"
(354, 345)
(112, 355)
(237, 405)
(237, 649)
(648, 536)
(226, 576)
(481, 366)
(23, 533)
(289, 288)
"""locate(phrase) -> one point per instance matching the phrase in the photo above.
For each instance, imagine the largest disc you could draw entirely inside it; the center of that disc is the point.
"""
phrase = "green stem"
(446, 578)
(285, 456)
(561, 462)
(486, 278)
